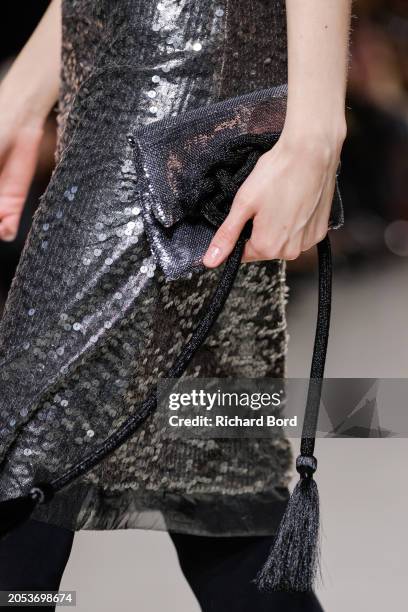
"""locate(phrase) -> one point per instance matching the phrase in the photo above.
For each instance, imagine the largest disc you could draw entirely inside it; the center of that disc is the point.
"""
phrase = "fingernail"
(8, 236)
(213, 256)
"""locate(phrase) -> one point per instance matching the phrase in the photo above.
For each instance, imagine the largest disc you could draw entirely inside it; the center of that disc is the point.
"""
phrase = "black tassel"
(293, 562)
(16, 511)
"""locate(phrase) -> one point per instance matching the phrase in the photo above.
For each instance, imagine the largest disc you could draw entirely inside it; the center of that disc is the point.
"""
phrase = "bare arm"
(318, 33)
(288, 194)
(27, 94)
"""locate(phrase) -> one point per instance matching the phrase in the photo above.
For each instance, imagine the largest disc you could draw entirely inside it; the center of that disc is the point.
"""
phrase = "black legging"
(220, 570)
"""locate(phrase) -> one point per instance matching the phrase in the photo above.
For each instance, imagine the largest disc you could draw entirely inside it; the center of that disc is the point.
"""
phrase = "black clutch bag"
(190, 168)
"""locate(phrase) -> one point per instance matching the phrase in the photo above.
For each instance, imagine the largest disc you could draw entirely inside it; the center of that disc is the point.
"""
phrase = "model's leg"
(33, 558)
(221, 570)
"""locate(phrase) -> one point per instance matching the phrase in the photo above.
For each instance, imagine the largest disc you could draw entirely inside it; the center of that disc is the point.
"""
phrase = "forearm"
(32, 82)
(318, 35)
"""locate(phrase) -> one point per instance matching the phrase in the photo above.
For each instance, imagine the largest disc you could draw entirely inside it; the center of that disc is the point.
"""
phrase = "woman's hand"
(20, 139)
(289, 192)
(288, 196)
(27, 94)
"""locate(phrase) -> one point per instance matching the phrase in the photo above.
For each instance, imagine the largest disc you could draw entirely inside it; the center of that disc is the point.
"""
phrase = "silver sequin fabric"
(91, 323)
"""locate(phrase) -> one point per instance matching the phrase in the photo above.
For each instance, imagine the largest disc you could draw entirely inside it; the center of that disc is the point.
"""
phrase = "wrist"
(316, 115)
(314, 134)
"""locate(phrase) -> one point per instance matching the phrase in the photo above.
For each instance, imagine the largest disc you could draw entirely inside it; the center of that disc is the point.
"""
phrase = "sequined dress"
(90, 323)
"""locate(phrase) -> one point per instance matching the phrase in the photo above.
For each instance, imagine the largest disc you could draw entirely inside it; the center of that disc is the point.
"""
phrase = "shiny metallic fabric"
(91, 322)
(175, 157)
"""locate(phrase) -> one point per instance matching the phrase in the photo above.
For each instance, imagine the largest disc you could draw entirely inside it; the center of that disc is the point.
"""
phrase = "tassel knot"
(306, 465)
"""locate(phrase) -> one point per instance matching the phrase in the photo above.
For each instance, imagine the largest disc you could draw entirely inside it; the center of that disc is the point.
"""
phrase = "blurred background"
(365, 502)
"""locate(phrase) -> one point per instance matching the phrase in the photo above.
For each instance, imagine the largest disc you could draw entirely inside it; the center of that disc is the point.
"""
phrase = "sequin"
(127, 166)
(69, 196)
